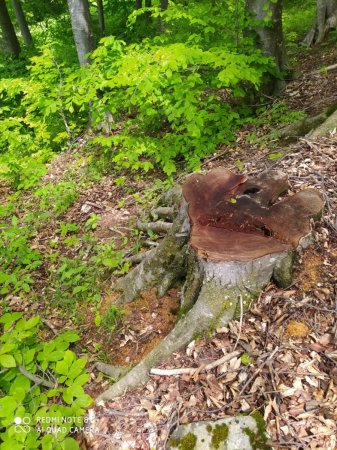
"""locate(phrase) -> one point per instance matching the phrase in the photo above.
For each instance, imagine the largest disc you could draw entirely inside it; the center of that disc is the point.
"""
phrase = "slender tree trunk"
(100, 10)
(163, 5)
(161, 24)
(270, 37)
(21, 18)
(326, 19)
(82, 29)
(9, 39)
(139, 4)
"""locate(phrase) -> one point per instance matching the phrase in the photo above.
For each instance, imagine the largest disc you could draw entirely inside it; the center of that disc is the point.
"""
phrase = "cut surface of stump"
(230, 237)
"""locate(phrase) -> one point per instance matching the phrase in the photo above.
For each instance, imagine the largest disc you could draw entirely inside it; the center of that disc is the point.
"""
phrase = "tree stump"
(230, 237)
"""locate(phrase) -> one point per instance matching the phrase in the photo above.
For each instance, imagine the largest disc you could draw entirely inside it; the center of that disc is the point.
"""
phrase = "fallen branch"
(50, 325)
(150, 243)
(256, 373)
(192, 370)
(94, 205)
(156, 227)
(36, 379)
(323, 69)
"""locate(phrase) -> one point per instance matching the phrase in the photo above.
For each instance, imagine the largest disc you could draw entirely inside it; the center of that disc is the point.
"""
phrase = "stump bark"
(230, 237)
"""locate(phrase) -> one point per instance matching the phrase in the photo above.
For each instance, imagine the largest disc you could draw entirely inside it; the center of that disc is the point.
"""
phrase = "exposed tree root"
(157, 227)
(302, 127)
(112, 371)
(166, 212)
(326, 128)
(136, 259)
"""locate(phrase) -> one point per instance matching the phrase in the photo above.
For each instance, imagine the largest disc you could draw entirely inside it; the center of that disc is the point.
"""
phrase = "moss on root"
(187, 442)
(258, 440)
(219, 435)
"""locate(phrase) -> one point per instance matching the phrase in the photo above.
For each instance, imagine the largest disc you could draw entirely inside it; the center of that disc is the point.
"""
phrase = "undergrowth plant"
(41, 384)
(168, 103)
(18, 260)
(34, 123)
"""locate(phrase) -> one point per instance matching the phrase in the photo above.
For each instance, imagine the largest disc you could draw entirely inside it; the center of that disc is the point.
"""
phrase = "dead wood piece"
(156, 227)
(94, 205)
(230, 237)
(36, 379)
(150, 243)
(192, 370)
(325, 69)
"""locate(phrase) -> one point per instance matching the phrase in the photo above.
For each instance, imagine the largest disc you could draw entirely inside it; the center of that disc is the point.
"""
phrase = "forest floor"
(288, 339)
(288, 370)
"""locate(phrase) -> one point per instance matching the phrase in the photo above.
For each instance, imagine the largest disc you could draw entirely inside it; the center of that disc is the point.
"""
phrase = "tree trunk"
(270, 37)
(163, 5)
(139, 4)
(21, 18)
(326, 19)
(82, 29)
(10, 41)
(101, 21)
(230, 237)
(161, 24)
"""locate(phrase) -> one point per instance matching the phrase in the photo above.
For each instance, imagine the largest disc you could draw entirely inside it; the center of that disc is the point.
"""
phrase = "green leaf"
(67, 396)
(76, 368)
(62, 368)
(70, 336)
(7, 361)
(32, 322)
(83, 401)
(69, 357)
(82, 379)
(20, 387)
(246, 359)
(7, 406)
(70, 444)
(6, 348)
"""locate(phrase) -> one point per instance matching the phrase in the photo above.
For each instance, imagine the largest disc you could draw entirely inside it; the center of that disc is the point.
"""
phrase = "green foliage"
(18, 260)
(67, 228)
(112, 318)
(32, 121)
(278, 114)
(56, 198)
(165, 100)
(168, 98)
(55, 398)
(77, 279)
(298, 18)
